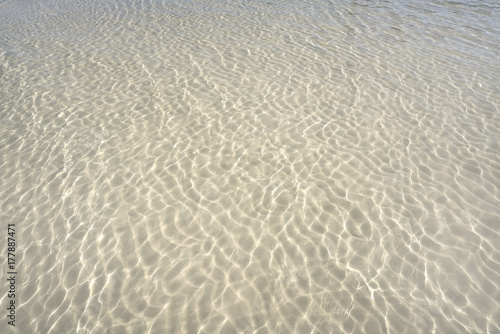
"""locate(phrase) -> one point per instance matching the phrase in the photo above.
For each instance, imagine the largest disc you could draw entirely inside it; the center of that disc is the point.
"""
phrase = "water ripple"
(252, 167)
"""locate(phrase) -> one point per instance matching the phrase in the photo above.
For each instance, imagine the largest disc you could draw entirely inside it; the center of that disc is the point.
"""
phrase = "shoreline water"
(250, 167)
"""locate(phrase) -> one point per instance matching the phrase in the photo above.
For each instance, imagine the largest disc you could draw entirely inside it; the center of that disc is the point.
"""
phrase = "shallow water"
(251, 166)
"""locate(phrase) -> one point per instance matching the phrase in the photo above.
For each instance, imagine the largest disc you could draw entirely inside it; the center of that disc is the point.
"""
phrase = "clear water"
(251, 166)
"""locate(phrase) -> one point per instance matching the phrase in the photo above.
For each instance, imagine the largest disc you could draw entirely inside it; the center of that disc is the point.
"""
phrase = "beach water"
(250, 166)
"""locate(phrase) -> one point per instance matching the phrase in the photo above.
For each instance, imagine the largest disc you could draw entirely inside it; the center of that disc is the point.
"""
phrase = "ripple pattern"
(252, 166)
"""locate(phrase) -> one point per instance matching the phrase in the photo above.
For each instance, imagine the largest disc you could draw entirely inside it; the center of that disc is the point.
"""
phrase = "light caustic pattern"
(252, 166)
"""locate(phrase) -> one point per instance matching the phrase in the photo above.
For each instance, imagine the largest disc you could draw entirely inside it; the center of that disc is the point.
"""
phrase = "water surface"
(252, 166)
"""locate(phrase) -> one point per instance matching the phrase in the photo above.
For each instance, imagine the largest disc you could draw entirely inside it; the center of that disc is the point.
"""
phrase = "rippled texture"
(252, 166)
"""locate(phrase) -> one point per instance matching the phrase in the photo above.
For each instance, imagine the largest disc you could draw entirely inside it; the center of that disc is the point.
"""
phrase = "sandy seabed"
(251, 166)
